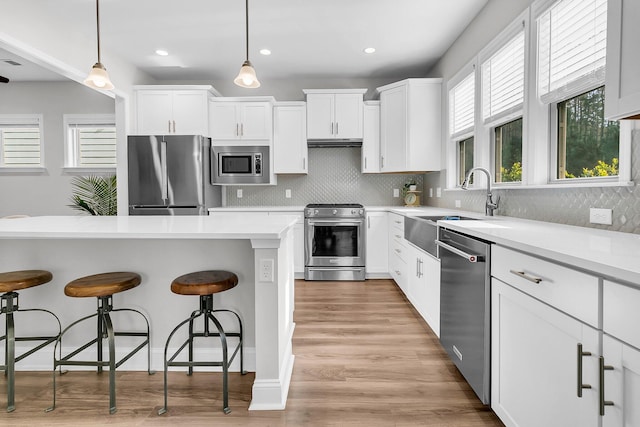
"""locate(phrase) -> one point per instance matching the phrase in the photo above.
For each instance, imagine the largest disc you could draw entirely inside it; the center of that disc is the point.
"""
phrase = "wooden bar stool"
(205, 284)
(103, 286)
(10, 282)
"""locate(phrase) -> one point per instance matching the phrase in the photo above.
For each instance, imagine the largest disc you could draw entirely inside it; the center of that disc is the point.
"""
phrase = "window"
(588, 145)
(508, 152)
(502, 99)
(465, 159)
(90, 141)
(20, 141)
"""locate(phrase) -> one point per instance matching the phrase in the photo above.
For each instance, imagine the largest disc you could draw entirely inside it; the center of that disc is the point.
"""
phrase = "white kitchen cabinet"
(334, 114)
(534, 363)
(298, 240)
(163, 110)
(237, 119)
(371, 138)
(290, 152)
(424, 285)
(622, 86)
(398, 252)
(377, 244)
(410, 122)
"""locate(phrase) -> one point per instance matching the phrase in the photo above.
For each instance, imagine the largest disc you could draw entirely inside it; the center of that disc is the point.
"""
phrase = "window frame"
(71, 147)
(26, 120)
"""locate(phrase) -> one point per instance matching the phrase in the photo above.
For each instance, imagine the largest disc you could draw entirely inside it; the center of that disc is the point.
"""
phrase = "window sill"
(7, 170)
(550, 186)
(72, 170)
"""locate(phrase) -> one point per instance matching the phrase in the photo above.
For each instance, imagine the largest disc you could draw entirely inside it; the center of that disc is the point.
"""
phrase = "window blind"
(572, 38)
(503, 80)
(20, 146)
(461, 106)
(95, 145)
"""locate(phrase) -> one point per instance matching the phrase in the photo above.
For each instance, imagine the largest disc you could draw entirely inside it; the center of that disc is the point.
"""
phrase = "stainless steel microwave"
(237, 164)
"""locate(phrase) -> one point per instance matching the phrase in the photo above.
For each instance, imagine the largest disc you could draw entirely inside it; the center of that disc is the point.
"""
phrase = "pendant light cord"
(98, 26)
(246, 27)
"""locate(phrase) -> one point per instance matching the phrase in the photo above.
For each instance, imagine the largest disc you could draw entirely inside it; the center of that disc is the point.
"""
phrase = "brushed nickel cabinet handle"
(241, 129)
(331, 128)
(580, 355)
(603, 402)
(174, 126)
(337, 128)
(169, 126)
(237, 133)
(526, 276)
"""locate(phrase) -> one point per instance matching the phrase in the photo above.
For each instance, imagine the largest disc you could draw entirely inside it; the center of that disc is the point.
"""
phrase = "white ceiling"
(309, 38)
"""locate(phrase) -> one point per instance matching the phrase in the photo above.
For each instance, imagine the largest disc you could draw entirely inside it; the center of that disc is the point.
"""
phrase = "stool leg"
(100, 336)
(225, 364)
(112, 362)
(10, 357)
(190, 345)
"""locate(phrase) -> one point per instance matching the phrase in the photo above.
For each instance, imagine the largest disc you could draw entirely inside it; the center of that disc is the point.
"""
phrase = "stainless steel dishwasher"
(465, 297)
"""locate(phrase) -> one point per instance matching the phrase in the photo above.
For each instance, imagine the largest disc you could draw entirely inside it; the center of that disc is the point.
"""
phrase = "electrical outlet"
(458, 203)
(287, 193)
(239, 193)
(438, 192)
(431, 192)
(600, 216)
(396, 192)
(266, 270)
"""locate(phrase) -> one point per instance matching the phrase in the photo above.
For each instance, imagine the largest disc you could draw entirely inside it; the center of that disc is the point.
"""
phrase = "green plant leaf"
(95, 195)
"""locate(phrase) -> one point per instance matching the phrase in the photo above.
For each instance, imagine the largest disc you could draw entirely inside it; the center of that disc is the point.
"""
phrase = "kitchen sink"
(422, 231)
(445, 217)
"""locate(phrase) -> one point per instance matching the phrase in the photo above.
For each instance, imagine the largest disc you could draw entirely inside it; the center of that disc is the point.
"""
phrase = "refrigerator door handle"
(163, 163)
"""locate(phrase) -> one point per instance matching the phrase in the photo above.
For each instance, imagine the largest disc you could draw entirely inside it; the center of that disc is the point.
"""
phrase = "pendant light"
(247, 75)
(98, 77)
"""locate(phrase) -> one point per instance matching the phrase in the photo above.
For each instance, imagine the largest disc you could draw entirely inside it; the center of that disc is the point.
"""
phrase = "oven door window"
(335, 241)
(236, 164)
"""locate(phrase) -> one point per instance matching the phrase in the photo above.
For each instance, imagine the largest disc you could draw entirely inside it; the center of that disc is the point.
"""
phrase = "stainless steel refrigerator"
(170, 175)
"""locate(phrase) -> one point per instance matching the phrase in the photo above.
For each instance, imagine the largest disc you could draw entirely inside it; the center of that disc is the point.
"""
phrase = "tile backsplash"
(559, 205)
(334, 177)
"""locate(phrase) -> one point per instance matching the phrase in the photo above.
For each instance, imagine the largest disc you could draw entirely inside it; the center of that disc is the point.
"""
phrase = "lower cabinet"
(398, 252)
(544, 363)
(620, 405)
(424, 286)
(377, 238)
(298, 241)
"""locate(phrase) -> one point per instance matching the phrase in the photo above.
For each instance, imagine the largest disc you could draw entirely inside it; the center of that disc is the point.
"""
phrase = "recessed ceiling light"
(265, 51)
(162, 52)
(370, 50)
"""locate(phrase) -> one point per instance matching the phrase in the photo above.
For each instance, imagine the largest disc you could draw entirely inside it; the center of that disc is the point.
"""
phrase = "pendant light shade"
(98, 77)
(247, 75)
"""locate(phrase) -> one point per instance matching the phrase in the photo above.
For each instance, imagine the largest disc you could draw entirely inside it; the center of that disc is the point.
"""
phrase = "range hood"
(334, 142)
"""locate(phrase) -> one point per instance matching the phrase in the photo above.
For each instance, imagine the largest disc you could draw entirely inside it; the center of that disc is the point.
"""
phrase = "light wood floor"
(363, 358)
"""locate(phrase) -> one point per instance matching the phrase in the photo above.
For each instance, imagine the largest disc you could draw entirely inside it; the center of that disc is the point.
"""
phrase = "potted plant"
(95, 195)
(410, 185)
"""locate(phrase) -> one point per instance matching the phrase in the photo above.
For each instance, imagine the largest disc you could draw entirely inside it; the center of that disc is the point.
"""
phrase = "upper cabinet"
(176, 110)
(334, 114)
(290, 153)
(622, 88)
(371, 138)
(410, 125)
(246, 119)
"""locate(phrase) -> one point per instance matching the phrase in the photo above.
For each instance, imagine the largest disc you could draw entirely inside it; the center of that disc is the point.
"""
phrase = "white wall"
(48, 193)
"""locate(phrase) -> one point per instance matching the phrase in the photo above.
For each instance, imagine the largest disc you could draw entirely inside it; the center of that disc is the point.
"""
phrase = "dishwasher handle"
(469, 257)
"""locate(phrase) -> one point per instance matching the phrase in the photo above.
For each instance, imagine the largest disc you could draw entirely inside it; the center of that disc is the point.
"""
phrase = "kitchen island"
(161, 248)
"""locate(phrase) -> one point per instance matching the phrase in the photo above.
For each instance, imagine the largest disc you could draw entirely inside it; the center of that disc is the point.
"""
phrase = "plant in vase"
(95, 195)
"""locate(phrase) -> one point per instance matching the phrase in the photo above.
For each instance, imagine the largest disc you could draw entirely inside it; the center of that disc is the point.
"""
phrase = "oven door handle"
(335, 222)
(469, 257)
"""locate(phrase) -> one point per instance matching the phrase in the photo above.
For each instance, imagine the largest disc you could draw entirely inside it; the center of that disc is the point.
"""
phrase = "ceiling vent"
(10, 61)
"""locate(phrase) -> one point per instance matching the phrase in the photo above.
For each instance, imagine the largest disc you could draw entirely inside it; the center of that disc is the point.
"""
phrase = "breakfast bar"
(161, 248)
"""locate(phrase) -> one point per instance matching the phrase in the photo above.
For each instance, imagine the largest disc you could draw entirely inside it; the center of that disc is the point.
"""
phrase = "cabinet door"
(377, 257)
(320, 116)
(622, 86)
(223, 121)
(534, 363)
(190, 113)
(429, 305)
(393, 130)
(154, 112)
(290, 139)
(348, 113)
(621, 384)
(371, 139)
(255, 120)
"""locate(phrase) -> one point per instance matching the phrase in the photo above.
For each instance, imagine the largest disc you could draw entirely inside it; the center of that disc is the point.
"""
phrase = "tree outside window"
(508, 152)
(465, 159)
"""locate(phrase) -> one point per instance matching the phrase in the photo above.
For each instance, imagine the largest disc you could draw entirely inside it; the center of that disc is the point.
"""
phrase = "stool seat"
(204, 282)
(102, 285)
(15, 280)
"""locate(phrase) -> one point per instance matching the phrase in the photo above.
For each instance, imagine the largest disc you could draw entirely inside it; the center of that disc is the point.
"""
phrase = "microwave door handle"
(163, 162)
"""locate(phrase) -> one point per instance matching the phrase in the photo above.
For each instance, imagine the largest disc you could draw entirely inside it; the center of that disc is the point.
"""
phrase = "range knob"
(335, 211)
(354, 211)
(361, 211)
(316, 212)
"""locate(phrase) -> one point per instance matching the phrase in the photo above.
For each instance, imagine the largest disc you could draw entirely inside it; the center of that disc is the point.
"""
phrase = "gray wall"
(561, 205)
(47, 193)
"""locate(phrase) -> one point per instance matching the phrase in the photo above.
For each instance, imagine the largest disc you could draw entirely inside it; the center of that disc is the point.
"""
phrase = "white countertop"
(293, 209)
(145, 227)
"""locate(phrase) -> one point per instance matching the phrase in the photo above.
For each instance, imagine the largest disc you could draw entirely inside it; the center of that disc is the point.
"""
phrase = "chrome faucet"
(490, 205)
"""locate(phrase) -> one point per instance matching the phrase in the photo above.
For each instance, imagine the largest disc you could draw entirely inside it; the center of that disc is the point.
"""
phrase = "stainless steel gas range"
(334, 242)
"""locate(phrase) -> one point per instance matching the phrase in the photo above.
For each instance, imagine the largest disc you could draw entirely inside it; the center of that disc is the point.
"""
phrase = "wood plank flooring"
(364, 357)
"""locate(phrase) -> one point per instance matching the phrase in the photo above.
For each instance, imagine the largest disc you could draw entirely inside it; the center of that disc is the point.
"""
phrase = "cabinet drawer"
(621, 314)
(571, 291)
(396, 224)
